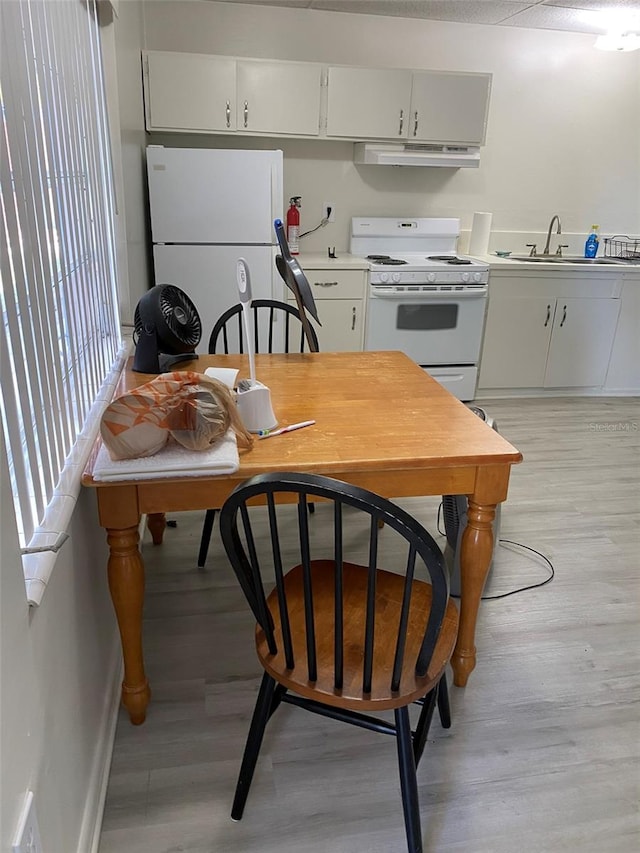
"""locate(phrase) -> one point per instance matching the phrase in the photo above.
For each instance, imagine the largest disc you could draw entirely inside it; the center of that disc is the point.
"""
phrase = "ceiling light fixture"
(618, 41)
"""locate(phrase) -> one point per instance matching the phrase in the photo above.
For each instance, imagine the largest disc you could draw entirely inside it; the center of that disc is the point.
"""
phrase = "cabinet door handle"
(564, 316)
(228, 113)
(325, 283)
(246, 113)
(353, 319)
(546, 322)
(401, 122)
(415, 123)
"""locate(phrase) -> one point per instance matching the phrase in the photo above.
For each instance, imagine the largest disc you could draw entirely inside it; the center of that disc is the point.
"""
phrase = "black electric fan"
(167, 329)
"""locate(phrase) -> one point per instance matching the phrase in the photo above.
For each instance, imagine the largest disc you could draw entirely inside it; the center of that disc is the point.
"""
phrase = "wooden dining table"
(382, 423)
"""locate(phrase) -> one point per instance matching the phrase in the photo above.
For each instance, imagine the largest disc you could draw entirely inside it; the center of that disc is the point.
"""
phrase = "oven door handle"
(426, 295)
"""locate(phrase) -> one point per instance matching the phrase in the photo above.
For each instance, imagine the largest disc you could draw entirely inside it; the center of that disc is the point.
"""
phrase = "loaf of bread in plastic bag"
(190, 408)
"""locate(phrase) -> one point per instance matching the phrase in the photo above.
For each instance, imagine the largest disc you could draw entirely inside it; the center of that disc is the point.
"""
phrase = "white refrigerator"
(208, 208)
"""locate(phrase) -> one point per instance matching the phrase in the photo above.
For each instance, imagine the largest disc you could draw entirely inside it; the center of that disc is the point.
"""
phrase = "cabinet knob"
(353, 319)
(401, 122)
(228, 113)
(564, 316)
(325, 283)
(415, 123)
(246, 113)
(546, 322)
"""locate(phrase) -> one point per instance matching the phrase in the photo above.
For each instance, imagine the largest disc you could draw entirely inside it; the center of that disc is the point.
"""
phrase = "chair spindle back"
(358, 589)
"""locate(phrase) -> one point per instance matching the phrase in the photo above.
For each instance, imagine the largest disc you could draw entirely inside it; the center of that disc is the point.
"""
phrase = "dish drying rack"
(622, 246)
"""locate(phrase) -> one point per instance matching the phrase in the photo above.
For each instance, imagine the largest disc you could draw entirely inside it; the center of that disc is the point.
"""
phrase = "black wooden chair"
(277, 328)
(338, 637)
(228, 332)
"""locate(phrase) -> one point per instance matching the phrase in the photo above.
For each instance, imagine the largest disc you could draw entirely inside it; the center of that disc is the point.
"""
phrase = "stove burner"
(385, 260)
(450, 259)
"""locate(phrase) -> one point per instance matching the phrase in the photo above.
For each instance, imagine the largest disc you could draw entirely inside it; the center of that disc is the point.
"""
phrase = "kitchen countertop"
(345, 261)
(319, 261)
(511, 265)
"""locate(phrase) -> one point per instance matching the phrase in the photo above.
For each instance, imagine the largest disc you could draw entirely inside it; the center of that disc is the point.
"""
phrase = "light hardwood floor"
(543, 752)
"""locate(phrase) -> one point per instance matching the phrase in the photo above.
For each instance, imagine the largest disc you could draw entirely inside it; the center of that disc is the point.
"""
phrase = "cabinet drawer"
(336, 284)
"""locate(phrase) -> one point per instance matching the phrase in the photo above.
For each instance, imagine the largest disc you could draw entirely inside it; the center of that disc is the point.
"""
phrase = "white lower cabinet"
(549, 332)
(624, 365)
(516, 341)
(581, 341)
(339, 295)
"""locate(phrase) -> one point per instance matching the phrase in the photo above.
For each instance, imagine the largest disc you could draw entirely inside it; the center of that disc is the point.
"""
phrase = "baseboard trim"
(514, 393)
(91, 827)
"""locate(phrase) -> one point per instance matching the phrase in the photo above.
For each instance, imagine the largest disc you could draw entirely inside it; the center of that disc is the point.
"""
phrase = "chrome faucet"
(554, 218)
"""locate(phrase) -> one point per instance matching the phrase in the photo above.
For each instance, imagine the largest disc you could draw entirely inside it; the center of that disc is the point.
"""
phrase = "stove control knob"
(476, 276)
(384, 276)
(431, 276)
(395, 276)
(465, 276)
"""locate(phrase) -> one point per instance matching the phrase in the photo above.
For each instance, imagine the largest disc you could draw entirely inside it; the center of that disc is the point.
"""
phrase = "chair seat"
(389, 593)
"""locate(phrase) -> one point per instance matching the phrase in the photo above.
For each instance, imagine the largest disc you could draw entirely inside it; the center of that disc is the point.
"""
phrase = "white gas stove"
(424, 298)
(414, 251)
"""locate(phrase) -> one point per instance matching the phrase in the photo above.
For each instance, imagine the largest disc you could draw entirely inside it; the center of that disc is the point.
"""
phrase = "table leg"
(126, 584)
(156, 522)
(475, 559)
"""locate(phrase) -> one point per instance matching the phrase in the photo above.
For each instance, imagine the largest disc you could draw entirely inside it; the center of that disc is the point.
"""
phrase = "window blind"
(61, 350)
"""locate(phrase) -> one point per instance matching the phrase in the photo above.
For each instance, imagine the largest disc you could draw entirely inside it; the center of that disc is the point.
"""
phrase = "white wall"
(127, 36)
(564, 123)
(58, 665)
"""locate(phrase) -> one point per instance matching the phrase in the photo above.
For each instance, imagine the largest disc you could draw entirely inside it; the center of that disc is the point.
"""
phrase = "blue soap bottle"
(591, 246)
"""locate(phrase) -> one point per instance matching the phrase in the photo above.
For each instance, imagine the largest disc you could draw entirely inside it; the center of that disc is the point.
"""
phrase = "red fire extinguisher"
(293, 224)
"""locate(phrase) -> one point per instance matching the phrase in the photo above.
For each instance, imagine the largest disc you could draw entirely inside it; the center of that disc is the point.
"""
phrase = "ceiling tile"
(580, 16)
(458, 11)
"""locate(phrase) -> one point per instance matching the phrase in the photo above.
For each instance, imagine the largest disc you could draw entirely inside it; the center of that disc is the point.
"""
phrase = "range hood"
(394, 154)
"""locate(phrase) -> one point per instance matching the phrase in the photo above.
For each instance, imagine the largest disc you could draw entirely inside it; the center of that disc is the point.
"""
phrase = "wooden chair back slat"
(338, 654)
(279, 575)
(254, 582)
(309, 616)
(404, 619)
(369, 631)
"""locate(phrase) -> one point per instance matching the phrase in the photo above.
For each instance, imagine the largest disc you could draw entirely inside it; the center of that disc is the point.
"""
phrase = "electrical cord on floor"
(518, 545)
(531, 586)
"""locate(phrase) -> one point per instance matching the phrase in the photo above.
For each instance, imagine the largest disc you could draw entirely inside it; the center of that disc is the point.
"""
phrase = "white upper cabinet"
(419, 106)
(189, 91)
(449, 107)
(222, 94)
(368, 103)
(193, 92)
(278, 97)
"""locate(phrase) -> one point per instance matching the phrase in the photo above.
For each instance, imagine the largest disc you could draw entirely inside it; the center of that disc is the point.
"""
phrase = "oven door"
(431, 327)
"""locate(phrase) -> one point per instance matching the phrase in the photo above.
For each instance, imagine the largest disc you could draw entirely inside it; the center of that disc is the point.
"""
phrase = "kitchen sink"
(556, 259)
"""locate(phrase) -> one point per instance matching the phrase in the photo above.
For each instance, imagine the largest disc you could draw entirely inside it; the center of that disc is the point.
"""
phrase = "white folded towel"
(172, 461)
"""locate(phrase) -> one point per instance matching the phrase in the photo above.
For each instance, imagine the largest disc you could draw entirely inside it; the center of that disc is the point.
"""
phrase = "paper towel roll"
(480, 231)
